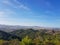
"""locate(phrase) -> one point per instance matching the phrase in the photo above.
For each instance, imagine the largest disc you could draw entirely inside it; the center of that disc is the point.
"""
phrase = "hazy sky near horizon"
(30, 12)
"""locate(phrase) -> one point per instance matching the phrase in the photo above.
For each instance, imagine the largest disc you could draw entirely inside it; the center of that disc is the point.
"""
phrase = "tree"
(27, 41)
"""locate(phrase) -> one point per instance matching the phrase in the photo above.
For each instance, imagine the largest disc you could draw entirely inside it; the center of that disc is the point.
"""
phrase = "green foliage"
(14, 42)
(1, 42)
(27, 40)
(32, 37)
(22, 43)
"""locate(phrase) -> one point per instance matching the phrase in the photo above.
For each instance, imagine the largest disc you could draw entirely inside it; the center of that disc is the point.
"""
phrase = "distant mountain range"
(9, 28)
(8, 32)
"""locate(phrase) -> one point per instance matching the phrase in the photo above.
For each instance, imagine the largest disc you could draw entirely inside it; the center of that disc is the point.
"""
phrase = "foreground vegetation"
(33, 37)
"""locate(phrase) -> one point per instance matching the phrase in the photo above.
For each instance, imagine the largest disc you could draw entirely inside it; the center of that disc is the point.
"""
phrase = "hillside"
(8, 36)
(30, 37)
(34, 33)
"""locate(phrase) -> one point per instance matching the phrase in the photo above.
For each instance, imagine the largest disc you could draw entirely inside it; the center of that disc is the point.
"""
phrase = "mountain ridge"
(9, 28)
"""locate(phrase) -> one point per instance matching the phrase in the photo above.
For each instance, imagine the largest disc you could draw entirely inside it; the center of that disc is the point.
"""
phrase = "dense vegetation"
(31, 37)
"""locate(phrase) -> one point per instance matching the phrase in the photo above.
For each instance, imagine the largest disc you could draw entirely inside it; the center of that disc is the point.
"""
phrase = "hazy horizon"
(44, 13)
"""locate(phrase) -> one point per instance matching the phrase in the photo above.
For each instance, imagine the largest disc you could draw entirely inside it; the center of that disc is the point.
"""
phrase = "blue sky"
(30, 12)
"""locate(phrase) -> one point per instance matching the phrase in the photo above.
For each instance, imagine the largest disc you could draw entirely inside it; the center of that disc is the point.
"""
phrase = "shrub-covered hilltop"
(30, 37)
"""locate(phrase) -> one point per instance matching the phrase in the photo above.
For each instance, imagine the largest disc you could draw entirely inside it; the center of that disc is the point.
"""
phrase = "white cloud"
(6, 13)
(23, 7)
(20, 5)
(5, 1)
(9, 12)
(15, 4)
(2, 14)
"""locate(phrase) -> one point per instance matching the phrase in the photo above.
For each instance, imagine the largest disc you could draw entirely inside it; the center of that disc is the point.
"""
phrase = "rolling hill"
(8, 36)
